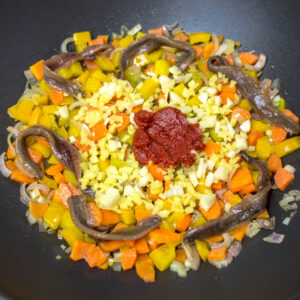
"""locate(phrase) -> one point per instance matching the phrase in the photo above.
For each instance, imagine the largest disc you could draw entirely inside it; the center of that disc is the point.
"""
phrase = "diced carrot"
(115, 43)
(171, 58)
(251, 188)
(291, 115)
(168, 185)
(224, 96)
(9, 153)
(141, 246)
(155, 31)
(241, 178)
(241, 114)
(119, 226)
(156, 172)
(74, 190)
(239, 232)
(149, 69)
(228, 89)
(181, 36)
(215, 239)
(180, 255)
(95, 213)
(145, 268)
(151, 196)
(153, 244)
(62, 194)
(11, 165)
(184, 223)
(109, 217)
(248, 58)
(20, 177)
(253, 136)
(38, 210)
(125, 123)
(229, 59)
(100, 40)
(227, 196)
(91, 65)
(80, 146)
(54, 169)
(38, 70)
(104, 266)
(137, 108)
(35, 155)
(59, 178)
(279, 134)
(99, 131)
(199, 50)
(109, 246)
(283, 178)
(80, 250)
(264, 215)
(217, 186)
(208, 50)
(42, 141)
(213, 212)
(128, 258)
(56, 97)
(163, 236)
(211, 148)
(274, 163)
(222, 204)
(141, 213)
(217, 253)
(96, 257)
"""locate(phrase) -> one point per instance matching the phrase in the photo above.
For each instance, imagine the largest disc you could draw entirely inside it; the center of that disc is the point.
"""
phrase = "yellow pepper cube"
(24, 110)
(84, 77)
(46, 152)
(288, 146)
(81, 47)
(70, 177)
(167, 223)
(82, 37)
(115, 59)
(99, 75)
(126, 41)
(140, 34)
(199, 37)
(163, 256)
(65, 73)
(148, 88)
(66, 220)
(156, 55)
(178, 89)
(199, 221)
(52, 121)
(194, 101)
(53, 160)
(73, 131)
(44, 86)
(68, 100)
(142, 59)
(103, 164)
(105, 63)
(236, 199)
(162, 67)
(35, 116)
(42, 100)
(13, 110)
(255, 177)
(53, 215)
(202, 250)
(245, 104)
(71, 235)
(128, 217)
(259, 125)
(263, 148)
(44, 120)
(76, 69)
(93, 84)
(51, 183)
(62, 132)
(49, 109)
(251, 73)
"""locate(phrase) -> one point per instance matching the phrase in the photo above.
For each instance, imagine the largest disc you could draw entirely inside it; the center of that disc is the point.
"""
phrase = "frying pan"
(32, 30)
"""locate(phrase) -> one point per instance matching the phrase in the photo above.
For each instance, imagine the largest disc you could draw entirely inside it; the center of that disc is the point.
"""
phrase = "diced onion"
(30, 78)
(38, 186)
(65, 43)
(192, 256)
(112, 53)
(179, 268)
(4, 170)
(221, 49)
(11, 147)
(13, 130)
(176, 191)
(286, 221)
(274, 238)
(25, 199)
(285, 203)
(236, 59)
(290, 168)
(252, 230)
(76, 104)
(235, 248)
(266, 223)
(262, 59)
(22, 169)
(223, 263)
(30, 218)
(228, 239)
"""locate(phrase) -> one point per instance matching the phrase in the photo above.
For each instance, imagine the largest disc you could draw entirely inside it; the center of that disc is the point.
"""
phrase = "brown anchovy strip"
(81, 217)
(151, 42)
(63, 150)
(252, 91)
(240, 213)
(64, 60)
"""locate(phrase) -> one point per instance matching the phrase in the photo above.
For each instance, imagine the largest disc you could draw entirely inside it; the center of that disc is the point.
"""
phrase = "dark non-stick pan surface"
(32, 30)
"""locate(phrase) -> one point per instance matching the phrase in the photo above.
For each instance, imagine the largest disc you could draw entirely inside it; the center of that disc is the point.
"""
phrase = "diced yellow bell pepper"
(259, 125)
(178, 89)
(99, 75)
(46, 152)
(236, 199)
(103, 164)
(70, 177)
(288, 146)
(66, 221)
(54, 214)
(44, 86)
(63, 121)
(251, 73)
(263, 148)
(148, 88)
(62, 132)
(24, 110)
(142, 59)
(84, 77)
(42, 100)
(73, 130)
(199, 221)
(52, 121)
(167, 224)
(71, 235)
(245, 104)
(48, 182)
(44, 120)
(82, 37)
(199, 37)
(161, 67)
(49, 109)
(127, 216)
(13, 110)
(281, 104)
(156, 55)
(105, 63)
(35, 116)
(194, 101)
(68, 100)
(201, 64)
(140, 34)
(126, 41)
(76, 69)
(93, 84)
(89, 240)
(202, 250)
(115, 59)
(252, 153)
(65, 73)
(163, 256)
(81, 47)
(53, 160)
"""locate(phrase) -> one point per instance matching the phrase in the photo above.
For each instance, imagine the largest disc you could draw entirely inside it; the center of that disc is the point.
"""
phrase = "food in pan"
(151, 151)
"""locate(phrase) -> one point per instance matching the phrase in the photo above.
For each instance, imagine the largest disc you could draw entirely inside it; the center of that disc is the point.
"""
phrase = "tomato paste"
(166, 138)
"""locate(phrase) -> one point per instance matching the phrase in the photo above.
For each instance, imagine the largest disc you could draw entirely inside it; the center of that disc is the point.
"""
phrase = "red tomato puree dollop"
(166, 138)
